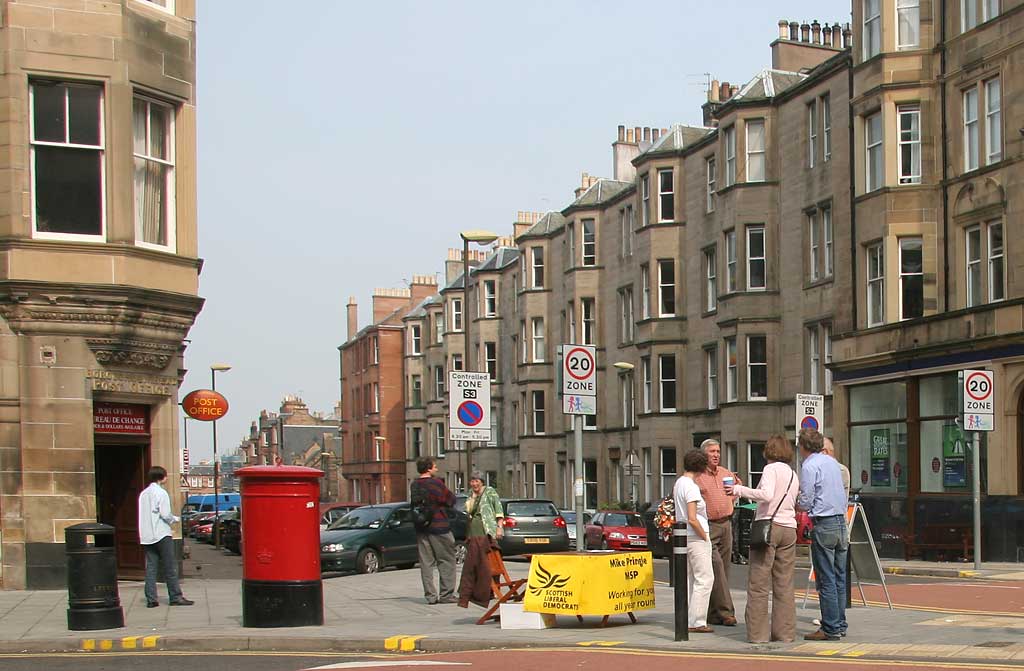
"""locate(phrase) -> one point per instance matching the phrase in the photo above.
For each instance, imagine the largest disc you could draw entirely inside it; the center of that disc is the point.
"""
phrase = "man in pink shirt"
(720, 509)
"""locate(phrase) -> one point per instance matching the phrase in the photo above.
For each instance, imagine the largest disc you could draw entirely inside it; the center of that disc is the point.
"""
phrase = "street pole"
(682, 606)
(577, 423)
(976, 487)
(634, 457)
(216, 472)
(468, 361)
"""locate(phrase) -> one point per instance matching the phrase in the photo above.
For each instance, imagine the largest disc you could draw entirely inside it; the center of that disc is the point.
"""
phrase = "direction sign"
(579, 379)
(631, 469)
(469, 405)
(810, 412)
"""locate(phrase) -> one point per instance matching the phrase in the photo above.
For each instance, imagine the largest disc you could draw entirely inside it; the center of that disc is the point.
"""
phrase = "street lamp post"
(480, 238)
(628, 369)
(214, 369)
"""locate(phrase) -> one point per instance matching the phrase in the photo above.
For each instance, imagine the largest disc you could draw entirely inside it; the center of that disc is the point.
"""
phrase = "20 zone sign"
(978, 392)
(579, 370)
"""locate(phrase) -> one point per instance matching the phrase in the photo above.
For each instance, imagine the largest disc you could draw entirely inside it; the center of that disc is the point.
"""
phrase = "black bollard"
(679, 572)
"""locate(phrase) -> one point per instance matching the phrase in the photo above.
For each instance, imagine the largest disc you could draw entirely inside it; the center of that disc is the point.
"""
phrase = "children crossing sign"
(469, 405)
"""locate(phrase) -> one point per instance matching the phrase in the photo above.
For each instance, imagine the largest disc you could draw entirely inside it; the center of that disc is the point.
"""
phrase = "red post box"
(281, 585)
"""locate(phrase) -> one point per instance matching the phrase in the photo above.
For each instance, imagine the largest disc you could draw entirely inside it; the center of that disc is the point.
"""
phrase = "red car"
(616, 530)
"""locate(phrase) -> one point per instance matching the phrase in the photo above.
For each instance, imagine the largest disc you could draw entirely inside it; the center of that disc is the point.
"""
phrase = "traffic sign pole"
(577, 422)
(977, 390)
(976, 487)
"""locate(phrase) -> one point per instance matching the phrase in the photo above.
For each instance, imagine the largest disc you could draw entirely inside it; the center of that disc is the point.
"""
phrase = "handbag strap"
(792, 473)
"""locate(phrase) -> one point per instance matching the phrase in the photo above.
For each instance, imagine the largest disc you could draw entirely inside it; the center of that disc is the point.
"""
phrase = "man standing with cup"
(712, 485)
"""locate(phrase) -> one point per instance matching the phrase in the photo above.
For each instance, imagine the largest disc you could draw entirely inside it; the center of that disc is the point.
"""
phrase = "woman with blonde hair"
(771, 564)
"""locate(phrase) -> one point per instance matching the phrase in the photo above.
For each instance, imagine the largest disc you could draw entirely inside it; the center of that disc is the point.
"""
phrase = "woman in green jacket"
(485, 528)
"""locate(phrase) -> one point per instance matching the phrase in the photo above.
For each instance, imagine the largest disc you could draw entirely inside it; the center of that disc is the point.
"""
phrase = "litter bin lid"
(89, 528)
(279, 472)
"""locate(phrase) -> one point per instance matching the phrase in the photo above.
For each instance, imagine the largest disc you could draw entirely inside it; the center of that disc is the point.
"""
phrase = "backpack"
(421, 513)
(665, 517)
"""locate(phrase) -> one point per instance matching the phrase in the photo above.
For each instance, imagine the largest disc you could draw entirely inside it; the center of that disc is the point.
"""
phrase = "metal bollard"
(681, 596)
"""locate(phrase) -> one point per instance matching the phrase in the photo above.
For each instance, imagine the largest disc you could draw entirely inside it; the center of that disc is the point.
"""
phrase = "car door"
(400, 537)
(592, 532)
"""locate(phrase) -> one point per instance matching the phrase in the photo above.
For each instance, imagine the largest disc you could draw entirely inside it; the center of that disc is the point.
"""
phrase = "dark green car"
(374, 537)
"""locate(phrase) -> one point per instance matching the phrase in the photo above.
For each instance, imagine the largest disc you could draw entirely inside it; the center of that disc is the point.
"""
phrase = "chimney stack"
(624, 150)
(353, 317)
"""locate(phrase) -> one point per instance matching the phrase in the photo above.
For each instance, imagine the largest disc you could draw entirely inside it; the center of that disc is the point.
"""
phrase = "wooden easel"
(504, 588)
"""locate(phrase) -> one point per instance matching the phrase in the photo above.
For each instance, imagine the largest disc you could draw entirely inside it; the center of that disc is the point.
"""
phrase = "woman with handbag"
(772, 546)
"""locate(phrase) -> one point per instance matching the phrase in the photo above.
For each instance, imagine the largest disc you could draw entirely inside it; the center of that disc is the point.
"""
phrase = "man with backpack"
(435, 544)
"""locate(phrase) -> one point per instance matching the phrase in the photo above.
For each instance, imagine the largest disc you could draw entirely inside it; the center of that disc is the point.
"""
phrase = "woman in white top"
(690, 508)
(771, 567)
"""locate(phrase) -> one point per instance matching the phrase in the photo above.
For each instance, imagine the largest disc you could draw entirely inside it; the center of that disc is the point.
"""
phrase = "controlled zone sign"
(810, 412)
(979, 400)
(469, 405)
(579, 380)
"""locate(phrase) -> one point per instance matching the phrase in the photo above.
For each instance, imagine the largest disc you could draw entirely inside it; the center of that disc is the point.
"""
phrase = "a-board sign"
(579, 379)
(469, 405)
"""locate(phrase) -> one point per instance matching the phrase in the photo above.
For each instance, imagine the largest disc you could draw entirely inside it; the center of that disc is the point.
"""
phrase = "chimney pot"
(654, 134)
(714, 91)
(837, 36)
(647, 133)
(725, 95)
(637, 133)
(826, 35)
(794, 31)
(629, 135)
(816, 32)
(805, 32)
(783, 29)
(622, 133)
(847, 36)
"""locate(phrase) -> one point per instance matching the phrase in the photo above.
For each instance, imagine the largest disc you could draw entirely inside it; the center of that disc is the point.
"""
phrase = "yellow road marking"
(89, 644)
(402, 642)
(149, 641)
(605, 644)
(826, 653)
(391, 643)
(128, 642)
(855, 653)
(408, 643)
(106, 644)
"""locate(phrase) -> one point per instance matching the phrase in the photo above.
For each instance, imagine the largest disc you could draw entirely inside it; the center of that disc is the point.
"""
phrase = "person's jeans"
(160, 554)
(829, 546)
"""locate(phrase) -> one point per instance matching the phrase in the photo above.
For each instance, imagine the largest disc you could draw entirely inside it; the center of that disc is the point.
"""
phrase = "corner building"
(99, 280)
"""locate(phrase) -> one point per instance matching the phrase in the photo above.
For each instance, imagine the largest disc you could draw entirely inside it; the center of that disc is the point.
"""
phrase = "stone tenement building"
(845, 223)
(99, 280)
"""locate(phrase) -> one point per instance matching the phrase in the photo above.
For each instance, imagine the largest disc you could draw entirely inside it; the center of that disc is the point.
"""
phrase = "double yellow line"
(126, 643)
(403, 643)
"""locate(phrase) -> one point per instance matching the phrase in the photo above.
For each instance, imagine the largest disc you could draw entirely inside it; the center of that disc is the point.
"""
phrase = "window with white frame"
(814, 245)
(974, 266)
(666, 288)
(968, 14)
(989, 9)
(538, 411)
(439, 327)
(814, 357)
(826, 227)
(993, 122)
(587, 314)
(526, 413)
(457, 314)
(757, 279)
(376, 349)
(439, 439)
(911, 278)
(646, 381)
(985, 244)
(826, 127)
(522, 272)
(415, 339)
(570, 239)
(666, 195)
(626, 315)
(416, 442)
(757, 368)
(415, 390)
(490, 298)
(538, 339)
(710, 279)
(626, 235)
(645, 200)
(645, 291)
(153, 147)
(167, 6)
(712, 176)
(537, 255)
(667, 382)
(756, 160)
(491, 359)
(524, 346)
(626, 393)
(540, 483)
(730, 155)
(875, 163)
(589, 422)
(438, 382)
(456, 362)
(668, 470)
(589, 242)
(572, 323)
(730, 262)
(876, 285)
(731, 370)
(376, 397)
(872, 34)
(908, 24)
(971, 140)
(812, 133)
(755, 463)
(630, 229)
(711, 376)
(910, 143)
(996, 278)
(826, 335)
(67, 160)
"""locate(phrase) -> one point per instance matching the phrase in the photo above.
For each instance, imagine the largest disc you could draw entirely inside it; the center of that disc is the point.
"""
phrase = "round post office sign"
(205, 405)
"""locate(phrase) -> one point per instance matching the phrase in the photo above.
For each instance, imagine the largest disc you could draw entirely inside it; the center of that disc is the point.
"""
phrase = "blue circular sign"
(809, 422)
(470, 413)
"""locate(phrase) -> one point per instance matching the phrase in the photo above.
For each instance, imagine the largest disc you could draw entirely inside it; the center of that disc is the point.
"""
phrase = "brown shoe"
(729, 621)
(820, 635)
(701, 630)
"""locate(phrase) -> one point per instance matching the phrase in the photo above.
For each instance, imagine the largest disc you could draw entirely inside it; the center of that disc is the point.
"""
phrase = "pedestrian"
(720, 509)
(771, 567)
(435, 544)
(484, 530)
(155, 520)
(830, 450)
(822, 496)
(692, 510)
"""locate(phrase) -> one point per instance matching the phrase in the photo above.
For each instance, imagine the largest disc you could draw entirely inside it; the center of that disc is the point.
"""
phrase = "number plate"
(535, 541)
(638, 542)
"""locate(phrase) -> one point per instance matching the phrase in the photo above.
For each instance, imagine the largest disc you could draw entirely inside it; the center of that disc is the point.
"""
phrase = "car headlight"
(617, 536)
(332, 547)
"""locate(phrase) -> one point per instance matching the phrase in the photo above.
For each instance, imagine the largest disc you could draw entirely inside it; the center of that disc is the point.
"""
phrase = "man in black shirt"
(435, 544)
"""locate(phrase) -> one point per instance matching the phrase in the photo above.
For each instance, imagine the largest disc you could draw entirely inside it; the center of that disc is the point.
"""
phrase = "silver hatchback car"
(532, 526)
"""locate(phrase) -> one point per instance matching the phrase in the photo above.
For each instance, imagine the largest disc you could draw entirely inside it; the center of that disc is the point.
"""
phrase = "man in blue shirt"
(823, 497)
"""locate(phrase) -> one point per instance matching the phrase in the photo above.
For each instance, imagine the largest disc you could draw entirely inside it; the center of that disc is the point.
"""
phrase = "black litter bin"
(93, 601)
(743, 518)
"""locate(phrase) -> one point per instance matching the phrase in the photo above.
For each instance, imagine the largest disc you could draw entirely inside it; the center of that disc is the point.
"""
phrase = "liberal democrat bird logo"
(548, 581)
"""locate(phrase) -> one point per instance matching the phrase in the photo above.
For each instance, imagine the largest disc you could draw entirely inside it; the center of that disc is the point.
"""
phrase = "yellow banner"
(594, 583)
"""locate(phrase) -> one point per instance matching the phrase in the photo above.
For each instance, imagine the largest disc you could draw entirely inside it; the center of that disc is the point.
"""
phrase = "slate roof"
(551, 222)
(601, 191)
(421, 308)
(499, 258)
(457, 283)
(676, 139)
(768, 84)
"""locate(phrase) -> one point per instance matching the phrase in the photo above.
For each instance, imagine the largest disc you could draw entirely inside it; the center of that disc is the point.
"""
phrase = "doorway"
(120, 478)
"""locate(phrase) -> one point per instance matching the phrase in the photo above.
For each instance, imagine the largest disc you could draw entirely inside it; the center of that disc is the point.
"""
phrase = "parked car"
(532, 526)
(371, 538)
(616, 530)
(196, 520)
(570, 524)
(231, 532)
(659, 548)
(332, 512)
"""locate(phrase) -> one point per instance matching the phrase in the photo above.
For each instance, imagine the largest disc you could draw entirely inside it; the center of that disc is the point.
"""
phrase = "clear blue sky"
(343, 146)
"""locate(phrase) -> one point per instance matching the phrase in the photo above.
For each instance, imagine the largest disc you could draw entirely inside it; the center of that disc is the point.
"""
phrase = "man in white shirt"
(155, 520)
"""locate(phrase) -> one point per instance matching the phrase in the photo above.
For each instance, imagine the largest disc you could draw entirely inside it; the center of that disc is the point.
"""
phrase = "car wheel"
(368, 561)
(460, 553)
(604, 543)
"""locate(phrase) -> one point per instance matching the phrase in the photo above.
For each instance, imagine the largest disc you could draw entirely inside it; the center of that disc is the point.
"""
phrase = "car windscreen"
(569, 517)
(620, 520)
(362, 518)
(531, 509)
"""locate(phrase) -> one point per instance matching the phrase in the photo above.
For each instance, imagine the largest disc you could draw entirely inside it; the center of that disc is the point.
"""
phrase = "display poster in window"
(881, 472)
(954, 457)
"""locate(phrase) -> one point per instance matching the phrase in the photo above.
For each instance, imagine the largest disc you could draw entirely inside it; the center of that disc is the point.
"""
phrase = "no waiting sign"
(469, 405)
(810, 412)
